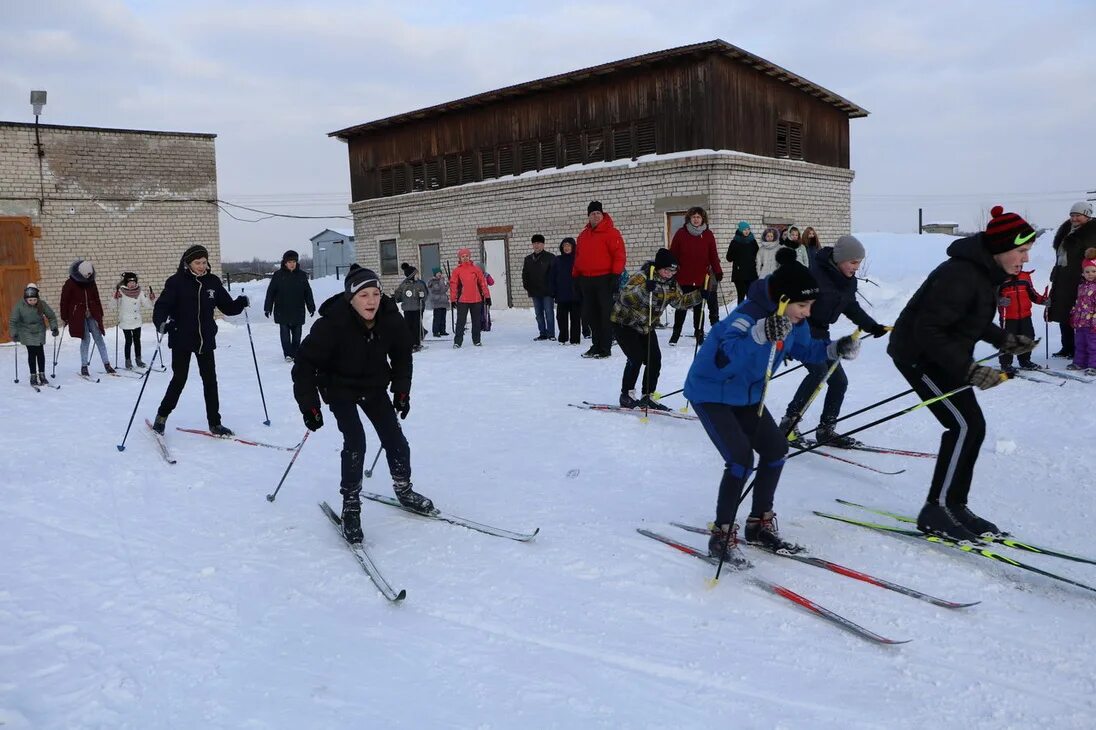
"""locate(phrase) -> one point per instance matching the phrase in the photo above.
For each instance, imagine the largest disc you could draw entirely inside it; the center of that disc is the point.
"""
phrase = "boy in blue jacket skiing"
(726, 385)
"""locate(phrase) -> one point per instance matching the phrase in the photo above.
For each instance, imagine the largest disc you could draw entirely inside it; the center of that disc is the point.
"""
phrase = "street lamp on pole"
(37, 101)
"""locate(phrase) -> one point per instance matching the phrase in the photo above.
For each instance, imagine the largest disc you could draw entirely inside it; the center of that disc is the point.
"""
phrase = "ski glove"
(243, 298)
(488, 300)
(1017, 344)
(773, 328)
(877, 330)
(983, 377)
(846, 348)
(54, 332)
(165, 326)
(267, 313)
(313, 419)
(402, 404)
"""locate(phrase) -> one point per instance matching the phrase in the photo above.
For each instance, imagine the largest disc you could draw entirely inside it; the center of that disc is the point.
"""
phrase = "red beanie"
(1006, 231)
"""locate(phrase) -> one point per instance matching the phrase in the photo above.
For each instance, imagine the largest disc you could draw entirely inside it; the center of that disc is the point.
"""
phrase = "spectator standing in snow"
(599, 260)
(1070, 242)
(693, 247)
(288, 295)
(437, 299)
(467, 291)
(565, 295)
(1015, 298)
(27, 325)
(725, 385)
(130, 298)
(411, 294)
(1083, 317)
(535, 279)
(791, 240)
(742, 255)
(642, 300)
(184, 311)
(835, 271)
(82, 309)
(358, 348)
(932, 345)
(810, 242)
(766, 253)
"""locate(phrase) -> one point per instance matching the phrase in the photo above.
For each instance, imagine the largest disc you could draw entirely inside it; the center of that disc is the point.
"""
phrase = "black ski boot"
(141, 363)
(159, 424)
(350, 487)
(84, 371)
(218, 430)
(973, 522)
(650, 404)
(411, 499)
(936, 519)
(788, 430)
(628, 400)
(762, 532)
(109, 369)
(724, 541)
(129, 364)
(352, 518)
(826, 434)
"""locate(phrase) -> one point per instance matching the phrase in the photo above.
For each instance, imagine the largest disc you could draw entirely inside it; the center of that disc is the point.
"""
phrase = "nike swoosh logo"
(1021, 240)
(355, 287)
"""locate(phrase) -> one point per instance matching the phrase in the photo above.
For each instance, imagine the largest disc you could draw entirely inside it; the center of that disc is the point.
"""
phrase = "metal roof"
(573, 77)
(112, 130)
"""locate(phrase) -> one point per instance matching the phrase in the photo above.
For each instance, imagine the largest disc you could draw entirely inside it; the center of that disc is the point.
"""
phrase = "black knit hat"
(794, 281)
(31, 290)
(197, 251)
(664, 259)
(408, 269)
(594, 205)
(1006, 231)
(290, 255)
(358, 278)
(128, 276)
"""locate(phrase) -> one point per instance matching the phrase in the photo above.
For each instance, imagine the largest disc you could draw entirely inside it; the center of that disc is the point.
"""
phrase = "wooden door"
(17, 264)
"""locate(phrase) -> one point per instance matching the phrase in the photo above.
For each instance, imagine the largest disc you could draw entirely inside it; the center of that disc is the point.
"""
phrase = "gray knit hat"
(848, 248)
(1081, 207)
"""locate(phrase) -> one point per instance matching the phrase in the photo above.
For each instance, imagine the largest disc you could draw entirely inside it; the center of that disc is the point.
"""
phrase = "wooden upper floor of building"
(709, 95)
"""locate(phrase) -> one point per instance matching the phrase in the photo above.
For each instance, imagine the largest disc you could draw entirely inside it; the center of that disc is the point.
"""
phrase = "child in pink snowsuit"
(1083, 317)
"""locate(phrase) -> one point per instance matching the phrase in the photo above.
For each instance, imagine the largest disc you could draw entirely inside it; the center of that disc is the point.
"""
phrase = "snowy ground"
(139, 595)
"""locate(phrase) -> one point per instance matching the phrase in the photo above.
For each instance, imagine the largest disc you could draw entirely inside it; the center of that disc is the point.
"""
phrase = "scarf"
(695, 230)
(131, 293)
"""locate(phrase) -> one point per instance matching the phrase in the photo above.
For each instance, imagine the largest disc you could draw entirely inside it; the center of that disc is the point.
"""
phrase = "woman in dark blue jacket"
(565, 294)
(184, 310)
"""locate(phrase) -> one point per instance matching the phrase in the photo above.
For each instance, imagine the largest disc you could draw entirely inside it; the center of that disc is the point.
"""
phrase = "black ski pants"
(741, 286)
(737, 432)
(597, 306)
(835, 391)
(1068, 343)
(1022, 326)
(438, 326)
(640, 349)
(569, 321)
(180, 369)
(378, 409)
(133, 340)
(413, 318)
(36, 358)
(291, 339)
(463, 312)
(959, 444)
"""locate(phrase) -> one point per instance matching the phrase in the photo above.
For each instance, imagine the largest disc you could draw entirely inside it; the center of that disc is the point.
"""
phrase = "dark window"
(399, 180)
(389, 257)
(433, 176)
(572, 149)
(622, 142)
(467, 168)
(506, 160)
(386, 181)
(528, 160)
(418, 177)
(645, 137)
(452, 170)
(595, 146)
(547, 153)
(789, 140)
(487, 164)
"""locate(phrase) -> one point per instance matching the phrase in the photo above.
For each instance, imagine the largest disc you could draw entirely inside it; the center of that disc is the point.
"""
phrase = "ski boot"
(1031, 366)
(109, 369)
(650, 404)
(159, 424)
(936, 519)
(826, 434)
(411, 499)
(973, 522)
(762, 532)
(628, 400)
(141, 364)
(129, 364)
(790, 431)
(218, 430)
(700, 337)
(352, 518)
(1074, 366)
(84, 371)
(34, 380)
(724, 541)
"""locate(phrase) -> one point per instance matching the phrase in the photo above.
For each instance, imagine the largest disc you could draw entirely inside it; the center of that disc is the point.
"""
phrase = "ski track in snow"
(134, 594)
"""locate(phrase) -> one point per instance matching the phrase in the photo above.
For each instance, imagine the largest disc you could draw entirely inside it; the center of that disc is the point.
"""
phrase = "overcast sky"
(972, 103)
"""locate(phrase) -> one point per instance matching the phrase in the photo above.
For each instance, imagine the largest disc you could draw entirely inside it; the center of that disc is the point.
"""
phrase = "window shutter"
(595, 146)
(487, 163)
(795, 141)
(781, 139)
(433, 175)
(452, 170)
(467, 168)
(506, 160)
(645, 137)
(386, 182)
(418, 177)
(622, 142)
(547, 153)
(572, 149)
(528, 151)
(399, 180)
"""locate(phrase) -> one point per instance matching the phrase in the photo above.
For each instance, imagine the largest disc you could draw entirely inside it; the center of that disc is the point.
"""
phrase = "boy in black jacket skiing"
(933, 347)
(184, 310)
(359, 346)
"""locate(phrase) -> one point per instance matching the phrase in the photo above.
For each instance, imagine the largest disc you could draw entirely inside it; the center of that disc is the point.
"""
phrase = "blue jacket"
(560, 281)
(730, 366)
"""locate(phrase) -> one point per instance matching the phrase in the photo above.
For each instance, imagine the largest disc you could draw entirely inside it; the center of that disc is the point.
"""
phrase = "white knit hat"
(86, 269)
(1081, 207)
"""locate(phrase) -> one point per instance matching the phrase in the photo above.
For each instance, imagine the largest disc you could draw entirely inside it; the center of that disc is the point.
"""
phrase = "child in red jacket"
(1015, 298)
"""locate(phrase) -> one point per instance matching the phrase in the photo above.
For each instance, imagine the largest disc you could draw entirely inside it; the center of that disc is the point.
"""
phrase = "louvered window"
(572, 149)
(547, 153)
(399, 180)
(433, 175)
(418, 177)
(528, 159)
(487, 164)
(467, 168)
(506, 160)
(622, 142)
(789, 140)
(452, 170)
(386, 181)
(645, 137)
(595, 146)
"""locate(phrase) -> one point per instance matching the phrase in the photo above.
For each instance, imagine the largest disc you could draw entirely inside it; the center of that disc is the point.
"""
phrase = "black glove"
(313, 419)
(719, 276)
(243, 298)
(164, 326)
(1017, 344)
(54, 332)
(846, 348)
(402, 404)
(651, 285)
(775, 327)
(488, 300)
(877, 330)
(267, 313)
(984, 377)
(311, 312)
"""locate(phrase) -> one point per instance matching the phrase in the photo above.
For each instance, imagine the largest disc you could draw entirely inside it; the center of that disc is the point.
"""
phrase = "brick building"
(650, 136)
(127, 200)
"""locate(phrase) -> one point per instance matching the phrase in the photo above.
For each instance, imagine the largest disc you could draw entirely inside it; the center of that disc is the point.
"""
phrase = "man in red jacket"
(599, 261)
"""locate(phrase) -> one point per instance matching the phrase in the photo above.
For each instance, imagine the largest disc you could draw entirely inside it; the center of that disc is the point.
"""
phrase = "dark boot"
(109, 369)
(411, 499)
(650, 404)
(936, 519)
(84, 371)
(350, 487)
(827, 434)
(628, 400)
(787, 429)
(352, 518)
(159, 424)
(762, 532)
(973, 522)
(218, 430)
(724, 541)
(129, 364)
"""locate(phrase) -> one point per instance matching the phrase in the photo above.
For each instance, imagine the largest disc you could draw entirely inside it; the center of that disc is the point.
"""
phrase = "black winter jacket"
(341, 359)
(836, 296)
(952, 310)
(560, 281)
(742, 253)
(1066, 279)
(188, 301)
(288, 295)
(534, 274)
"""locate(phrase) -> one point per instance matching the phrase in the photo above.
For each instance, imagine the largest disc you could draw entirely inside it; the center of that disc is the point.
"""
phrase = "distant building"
(947, 227)
(128, 200)
(708, 124)
(332, 247)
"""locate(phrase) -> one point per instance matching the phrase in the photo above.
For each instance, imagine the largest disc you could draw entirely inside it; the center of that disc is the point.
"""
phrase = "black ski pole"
(270, 497)
(369, 471)
(256, 361)
(789, 370)
(16, 351)
(647, 395)
(817, 390)
(144, 382)
(452, 309)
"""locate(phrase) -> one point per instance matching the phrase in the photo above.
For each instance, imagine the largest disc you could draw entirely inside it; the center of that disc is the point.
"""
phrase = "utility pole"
(920, 221)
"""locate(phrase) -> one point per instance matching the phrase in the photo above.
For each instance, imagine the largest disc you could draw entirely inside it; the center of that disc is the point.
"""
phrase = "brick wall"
(102, 189)
(730, 186)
